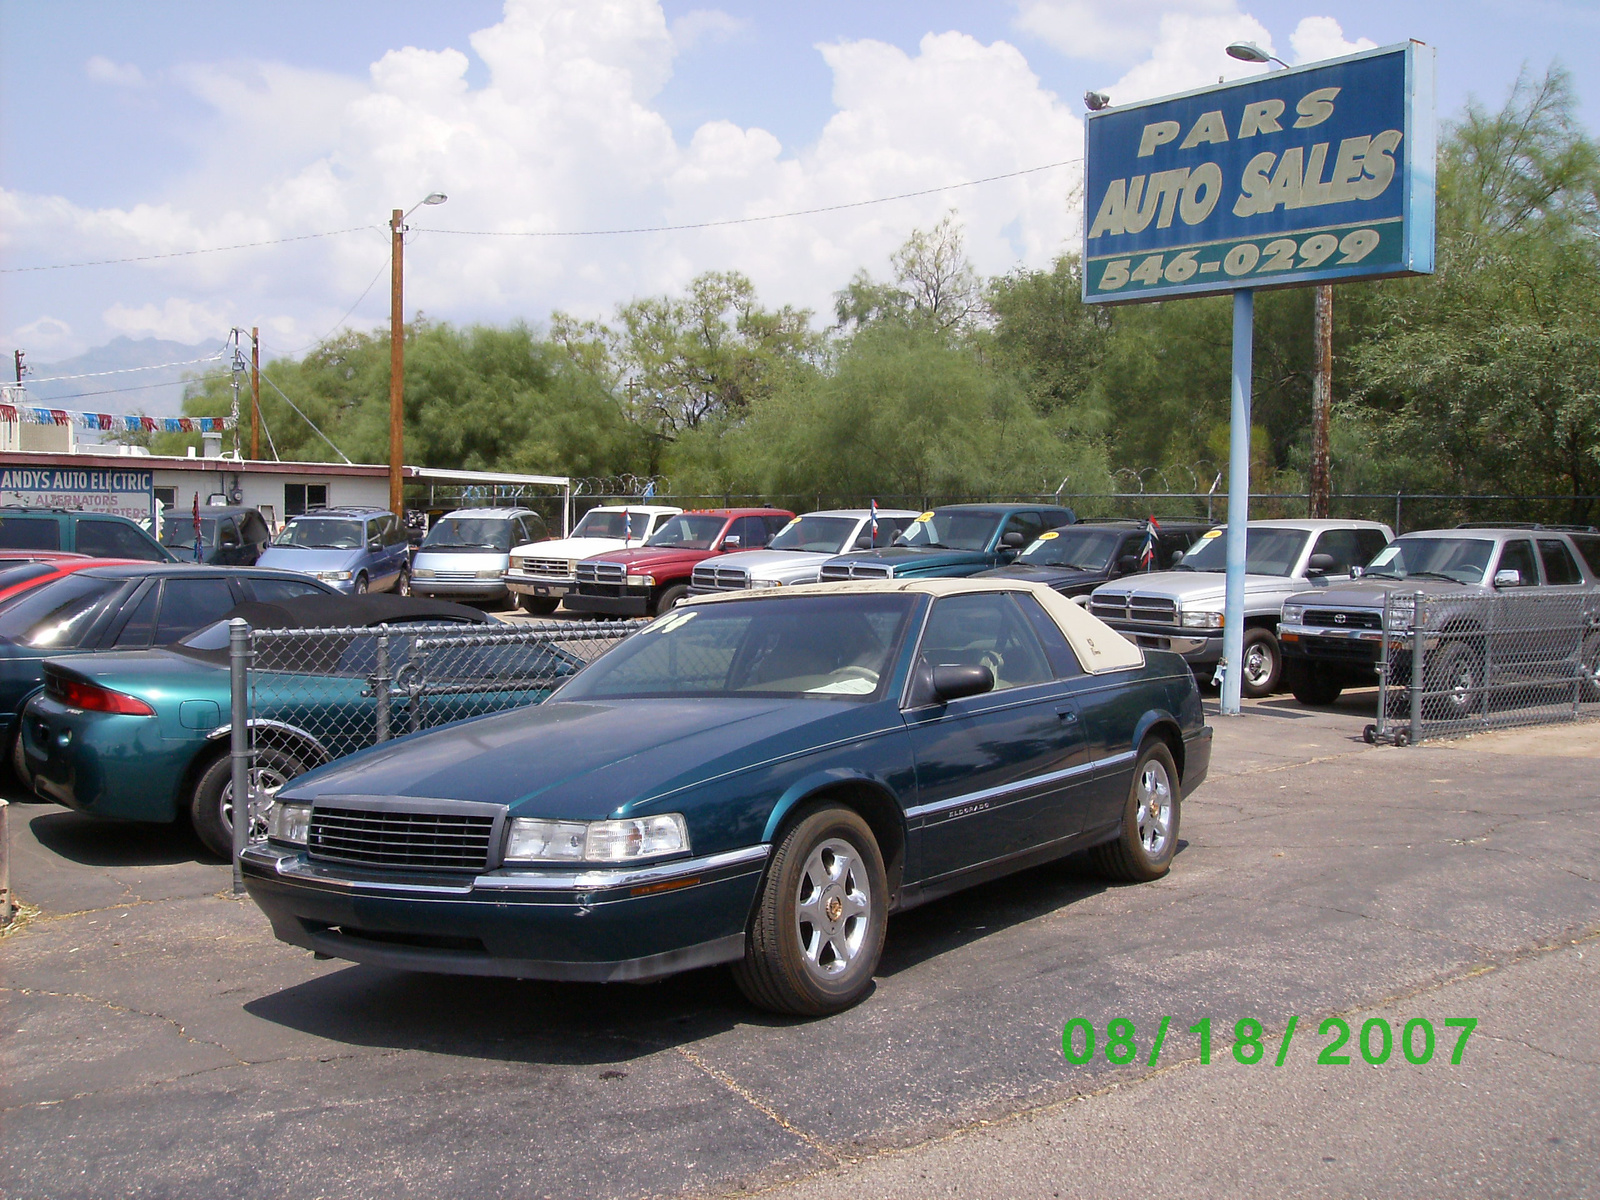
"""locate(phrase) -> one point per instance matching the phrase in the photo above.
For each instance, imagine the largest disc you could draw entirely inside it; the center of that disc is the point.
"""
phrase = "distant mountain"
(144, 381)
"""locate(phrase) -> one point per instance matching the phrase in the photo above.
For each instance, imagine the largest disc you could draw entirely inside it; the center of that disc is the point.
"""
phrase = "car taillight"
(94, 698)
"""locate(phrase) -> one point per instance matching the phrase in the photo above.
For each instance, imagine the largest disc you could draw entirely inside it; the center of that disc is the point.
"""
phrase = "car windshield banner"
(1299, 176)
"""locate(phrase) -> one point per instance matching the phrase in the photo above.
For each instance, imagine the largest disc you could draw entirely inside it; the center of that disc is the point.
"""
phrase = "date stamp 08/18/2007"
(1376, 1042)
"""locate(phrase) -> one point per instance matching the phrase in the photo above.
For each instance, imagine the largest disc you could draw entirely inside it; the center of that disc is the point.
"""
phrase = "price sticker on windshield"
(1048, 535)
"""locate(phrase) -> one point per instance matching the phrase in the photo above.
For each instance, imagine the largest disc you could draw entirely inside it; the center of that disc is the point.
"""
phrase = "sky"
(168, 126)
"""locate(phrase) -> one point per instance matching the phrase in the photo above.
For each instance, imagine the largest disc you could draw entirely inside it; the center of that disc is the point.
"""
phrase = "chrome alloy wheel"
(1155, 807)
(264, 785)
(832, 908)
(1257, 665)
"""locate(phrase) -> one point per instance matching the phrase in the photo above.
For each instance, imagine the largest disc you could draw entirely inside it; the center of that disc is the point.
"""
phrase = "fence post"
(239, 741)
(1419, 671)
(6, 907)
(1381, 729)
(380, 684)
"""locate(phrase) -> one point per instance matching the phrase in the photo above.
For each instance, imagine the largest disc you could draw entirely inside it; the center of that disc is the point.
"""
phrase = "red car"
(19, 574)
(654, 577)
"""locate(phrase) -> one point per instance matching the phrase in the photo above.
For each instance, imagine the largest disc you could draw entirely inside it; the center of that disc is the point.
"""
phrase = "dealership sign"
(1308, 175)
(128, 494)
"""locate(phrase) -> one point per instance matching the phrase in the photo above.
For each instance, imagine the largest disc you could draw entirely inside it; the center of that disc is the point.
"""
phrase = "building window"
(168, 497)
(302, 497)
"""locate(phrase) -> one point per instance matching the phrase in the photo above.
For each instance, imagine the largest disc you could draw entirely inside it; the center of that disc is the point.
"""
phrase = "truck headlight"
(1203, 619)
(1402, 613)
(1294, 614)
(289, 823)
(757, 584)
(333, 576)
(534, 839)
(644, 581)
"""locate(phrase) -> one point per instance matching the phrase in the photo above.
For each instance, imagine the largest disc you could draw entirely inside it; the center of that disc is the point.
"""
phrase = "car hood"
(587, 760)
(912, 558)
(647, 557)
(296, 558)
(1193, 587)
(571, 547)
(1370, 593)
(1056, 577)
(777, 564)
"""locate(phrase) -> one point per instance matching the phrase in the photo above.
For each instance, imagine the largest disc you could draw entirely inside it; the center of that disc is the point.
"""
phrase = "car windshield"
(469, 533)
(321, 533)
(819, 535)
(1461, 559)
(835, 647)
(57, 613)
(179, 531)
(619, 525)
(1084, 549)
(1267, 551)
(952, 529)
(691, 531)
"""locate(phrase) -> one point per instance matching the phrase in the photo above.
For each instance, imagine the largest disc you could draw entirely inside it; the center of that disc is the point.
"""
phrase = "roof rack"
(1527, 525)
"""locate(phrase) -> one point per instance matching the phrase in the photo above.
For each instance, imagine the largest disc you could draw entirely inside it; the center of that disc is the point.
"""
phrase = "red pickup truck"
(654, 577)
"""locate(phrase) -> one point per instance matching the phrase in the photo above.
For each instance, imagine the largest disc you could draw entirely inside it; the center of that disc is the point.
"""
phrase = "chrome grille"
(1152, 610)
(455, 576)
(1335, 619)
(721, 579)
(856, 570)
(614, 574)
(446, 839)
(549, 566)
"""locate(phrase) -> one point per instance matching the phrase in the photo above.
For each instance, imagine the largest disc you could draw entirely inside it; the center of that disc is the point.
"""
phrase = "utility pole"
(255, 392)
(1321, 397)
(397, 360)
(17, 356)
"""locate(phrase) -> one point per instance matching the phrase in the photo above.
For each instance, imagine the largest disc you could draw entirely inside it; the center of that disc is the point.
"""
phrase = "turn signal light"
(94, 698)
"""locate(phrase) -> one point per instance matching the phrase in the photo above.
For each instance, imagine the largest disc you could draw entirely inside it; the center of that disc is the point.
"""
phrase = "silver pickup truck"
(1528, 592)
(1181, 609)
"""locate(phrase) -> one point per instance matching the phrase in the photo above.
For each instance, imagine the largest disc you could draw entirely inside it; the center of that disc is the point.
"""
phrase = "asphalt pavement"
(161, 1043)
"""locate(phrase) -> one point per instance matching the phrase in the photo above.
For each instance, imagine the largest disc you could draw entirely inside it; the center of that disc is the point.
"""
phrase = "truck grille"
(455, 839)
(562, 567)
(1333, 619)
(456, 576)
(1151, 610)
(721, 579)
(603, 573)
(856, 570)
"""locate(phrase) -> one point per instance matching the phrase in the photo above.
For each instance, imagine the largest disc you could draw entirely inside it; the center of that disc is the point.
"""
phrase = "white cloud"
(45, 339)
(1110, 32)
(1190, 52)
(1321, 37)
(103, 70)
(705, 25)
(563, 135)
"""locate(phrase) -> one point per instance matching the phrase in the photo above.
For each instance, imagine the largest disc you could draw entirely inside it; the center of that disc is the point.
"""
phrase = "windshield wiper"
(1432, 575)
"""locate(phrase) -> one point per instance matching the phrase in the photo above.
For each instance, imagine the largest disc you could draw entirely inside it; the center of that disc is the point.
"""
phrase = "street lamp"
(397, 348)
(1095, 101)
(1251, 53)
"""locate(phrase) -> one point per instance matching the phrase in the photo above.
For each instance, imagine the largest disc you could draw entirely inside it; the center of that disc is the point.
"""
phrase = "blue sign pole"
(1244, 312)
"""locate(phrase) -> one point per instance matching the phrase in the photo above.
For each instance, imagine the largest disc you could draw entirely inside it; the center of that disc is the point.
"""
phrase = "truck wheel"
(1590, 666)
(1263, 663)
(670, 598)
(538, 606)
(1457, 673)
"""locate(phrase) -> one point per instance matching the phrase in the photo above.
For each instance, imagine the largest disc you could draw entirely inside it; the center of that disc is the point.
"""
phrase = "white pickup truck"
(1181, 609)
(542, 572)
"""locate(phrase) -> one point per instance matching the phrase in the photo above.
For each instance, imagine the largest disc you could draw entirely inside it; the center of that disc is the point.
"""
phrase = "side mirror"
(1128, 564)
(864, 542)
(1357, 572)
(1013, 540)
(1177, 558)
(731, 542)
(952, 682)
(1509, 577)
(1321, 564)
(375, 544)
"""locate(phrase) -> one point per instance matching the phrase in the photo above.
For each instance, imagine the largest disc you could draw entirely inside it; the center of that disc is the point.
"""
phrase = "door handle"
(1067, 713)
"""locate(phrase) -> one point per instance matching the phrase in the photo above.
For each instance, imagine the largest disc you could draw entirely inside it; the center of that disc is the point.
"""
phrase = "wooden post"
(397, 361)
(255, 392)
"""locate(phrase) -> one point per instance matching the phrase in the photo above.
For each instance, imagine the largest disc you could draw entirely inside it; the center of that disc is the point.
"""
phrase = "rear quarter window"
(113, 539)
(1589, 547)
(30, 533)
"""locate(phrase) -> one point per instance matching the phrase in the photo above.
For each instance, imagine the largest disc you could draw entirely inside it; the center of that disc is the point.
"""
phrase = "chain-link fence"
(314, 695)
(1452, 665)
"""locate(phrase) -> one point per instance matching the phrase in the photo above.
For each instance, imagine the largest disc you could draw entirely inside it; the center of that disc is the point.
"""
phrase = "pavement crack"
(128, 1009)
(761, 1106)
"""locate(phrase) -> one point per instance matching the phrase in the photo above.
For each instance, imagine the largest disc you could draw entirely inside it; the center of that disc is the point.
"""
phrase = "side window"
(1029, 524)
(751, 532)
(255, 529)
(1369, 542)
(396, 533)
(534, 527)
(228, 533)
(1589, 547)
(187, 604)
(1518, 556)
(30, 533)
(1342, 544)
(1063, 660)
(112, 539)
(376, 529)
(775, 525)
(1558, 565)
(270, 591)
(1169, 546)
(985, 629)
(142, 622)
(890, 528)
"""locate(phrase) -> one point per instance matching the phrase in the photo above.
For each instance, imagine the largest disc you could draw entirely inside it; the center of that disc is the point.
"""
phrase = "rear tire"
(1149, 837)
(538, 606)
(211, 802)
(1262, 664)
(817, 933)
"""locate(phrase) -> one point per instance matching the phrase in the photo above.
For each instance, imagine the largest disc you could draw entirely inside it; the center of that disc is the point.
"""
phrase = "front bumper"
(553, 586)
(591, 925)
(627, 602)
(1199, 647)
(1361, 648)
(466, 589)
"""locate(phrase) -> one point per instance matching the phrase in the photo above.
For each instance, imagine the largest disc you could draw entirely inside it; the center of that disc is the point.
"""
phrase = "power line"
(106, 262)
(142, 387)
(217, 357)
(305, 418)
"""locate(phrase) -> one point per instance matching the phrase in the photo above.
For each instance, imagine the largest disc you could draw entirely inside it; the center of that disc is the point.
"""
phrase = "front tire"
(818, 929)
(1589, 665)
(538, 606)
(670, 598)
(1262, 664)
(360, 587)
(1313, 687)
(1457, 672)
(211, 803)
(402, 585)
(1149, 836)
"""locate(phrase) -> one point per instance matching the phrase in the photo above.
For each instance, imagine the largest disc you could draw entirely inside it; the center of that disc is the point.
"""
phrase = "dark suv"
(229, 536)
(99, 535)
(1079, 558)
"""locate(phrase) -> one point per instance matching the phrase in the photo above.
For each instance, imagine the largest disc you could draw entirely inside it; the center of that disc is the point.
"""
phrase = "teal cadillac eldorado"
(756, 778)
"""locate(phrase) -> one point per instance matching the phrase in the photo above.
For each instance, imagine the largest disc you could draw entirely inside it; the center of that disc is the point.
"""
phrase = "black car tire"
(1457, 671)
(670, 597)
(538, 606)
(402, 584)
(1137, 856)
(19, 760)
(1262, 646)
(360, 586)
(780, 972)
(1311, 685)
(1589, 664)
(213, 792)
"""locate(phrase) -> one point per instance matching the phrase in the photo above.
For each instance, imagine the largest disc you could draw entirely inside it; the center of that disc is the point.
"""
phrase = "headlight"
(489, 574)
(1402, 612)
(423, 573)
(1293, 614)
(645, 581)
(536, 840)
(519, 564)
(765, 583)
(1202, 620)
(289, 823)
(335, 576)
